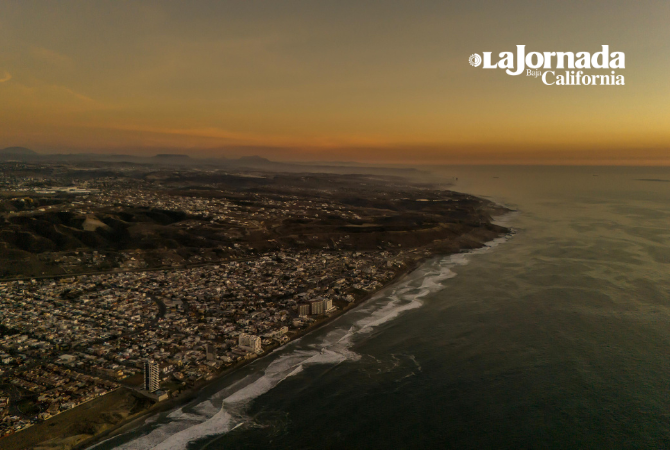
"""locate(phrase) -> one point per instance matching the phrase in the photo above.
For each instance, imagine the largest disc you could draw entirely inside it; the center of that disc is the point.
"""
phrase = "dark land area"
(70, 428)
(118, 262)
(80, 218)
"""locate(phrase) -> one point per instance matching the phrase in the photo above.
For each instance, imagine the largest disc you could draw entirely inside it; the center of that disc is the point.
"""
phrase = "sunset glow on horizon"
(375, 82)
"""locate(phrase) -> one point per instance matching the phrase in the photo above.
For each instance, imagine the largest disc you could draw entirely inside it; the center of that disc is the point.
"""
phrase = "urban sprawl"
(191, 322)
(156, 280)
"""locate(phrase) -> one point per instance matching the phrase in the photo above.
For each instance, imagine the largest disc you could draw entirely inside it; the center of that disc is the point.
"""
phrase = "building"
(67, 358)
(151, 377)
(210, 352)
(250, 343)
(328, 305)
(157, 396)
(317, 307)
(303, 310)
(4, 406)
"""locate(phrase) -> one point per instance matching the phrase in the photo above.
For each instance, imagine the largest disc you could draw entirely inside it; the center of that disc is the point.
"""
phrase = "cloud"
(205, 133)
(7, 77)
(76, 94)
(50, 56)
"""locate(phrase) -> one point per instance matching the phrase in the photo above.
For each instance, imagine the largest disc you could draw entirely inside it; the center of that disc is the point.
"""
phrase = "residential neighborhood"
(77, 338)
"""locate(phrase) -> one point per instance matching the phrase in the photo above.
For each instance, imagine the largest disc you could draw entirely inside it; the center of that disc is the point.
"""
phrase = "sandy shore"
(438, 249)
(190, 394)
(131, 419)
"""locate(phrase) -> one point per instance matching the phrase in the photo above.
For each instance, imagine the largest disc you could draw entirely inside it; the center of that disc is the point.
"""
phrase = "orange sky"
(368, 81)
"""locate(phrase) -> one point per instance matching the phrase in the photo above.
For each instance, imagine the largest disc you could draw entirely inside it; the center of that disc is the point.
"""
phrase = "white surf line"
(334, 348)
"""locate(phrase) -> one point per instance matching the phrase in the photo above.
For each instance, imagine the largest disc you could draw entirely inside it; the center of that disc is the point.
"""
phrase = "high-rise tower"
(151, 377)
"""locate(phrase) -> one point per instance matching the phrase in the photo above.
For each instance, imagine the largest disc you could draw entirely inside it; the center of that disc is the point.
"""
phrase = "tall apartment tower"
(151, 377)
(210, 352)
(317, 306)
(303, 310)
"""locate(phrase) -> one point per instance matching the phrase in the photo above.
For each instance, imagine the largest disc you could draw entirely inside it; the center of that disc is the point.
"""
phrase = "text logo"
(517, 64)
(475, 60)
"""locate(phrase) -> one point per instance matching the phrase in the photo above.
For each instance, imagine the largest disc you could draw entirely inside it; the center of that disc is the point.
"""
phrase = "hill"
(18, 151)
(171, 156)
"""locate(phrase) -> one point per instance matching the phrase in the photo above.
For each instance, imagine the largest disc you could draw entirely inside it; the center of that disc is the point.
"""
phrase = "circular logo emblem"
(475, 60)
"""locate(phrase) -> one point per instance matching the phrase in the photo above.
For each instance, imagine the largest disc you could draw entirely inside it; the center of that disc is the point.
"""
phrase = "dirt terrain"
(68, 429)
(147, 218)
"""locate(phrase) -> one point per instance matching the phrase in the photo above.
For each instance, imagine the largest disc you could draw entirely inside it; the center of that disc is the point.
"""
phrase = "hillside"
(18, 152)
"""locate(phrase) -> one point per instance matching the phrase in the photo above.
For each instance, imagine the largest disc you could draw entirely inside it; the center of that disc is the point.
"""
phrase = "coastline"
(191, 393)
(101, 428)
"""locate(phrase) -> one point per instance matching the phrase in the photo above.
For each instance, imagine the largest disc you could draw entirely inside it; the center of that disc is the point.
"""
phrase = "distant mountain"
(171, 156)
(254, 160)
(120, 156)
(177, 159)
(17, 151)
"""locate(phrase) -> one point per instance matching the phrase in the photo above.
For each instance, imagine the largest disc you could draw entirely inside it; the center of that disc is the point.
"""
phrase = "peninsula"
(111, 271)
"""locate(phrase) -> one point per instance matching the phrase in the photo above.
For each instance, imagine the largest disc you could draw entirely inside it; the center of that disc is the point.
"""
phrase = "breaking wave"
(225, 410)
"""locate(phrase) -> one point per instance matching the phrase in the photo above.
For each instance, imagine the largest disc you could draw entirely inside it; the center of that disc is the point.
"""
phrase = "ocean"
(558, 337)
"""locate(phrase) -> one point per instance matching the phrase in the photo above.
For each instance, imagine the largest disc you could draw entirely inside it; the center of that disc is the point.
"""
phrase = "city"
(151, 282)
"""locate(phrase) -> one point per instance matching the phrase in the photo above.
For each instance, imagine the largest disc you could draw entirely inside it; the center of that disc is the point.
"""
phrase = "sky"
(370, 81)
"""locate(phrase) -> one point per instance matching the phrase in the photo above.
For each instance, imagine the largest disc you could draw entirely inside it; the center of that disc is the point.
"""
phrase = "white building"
(210, 352)
(317, 306)
(303, 310)
(67, 358)
(250, 343)
(151, 376)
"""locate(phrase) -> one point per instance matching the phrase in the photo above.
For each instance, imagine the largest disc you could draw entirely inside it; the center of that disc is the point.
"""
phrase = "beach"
(102, 425)
(371, 311)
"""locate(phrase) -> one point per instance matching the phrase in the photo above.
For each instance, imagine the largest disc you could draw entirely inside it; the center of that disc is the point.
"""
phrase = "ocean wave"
(207, 419)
